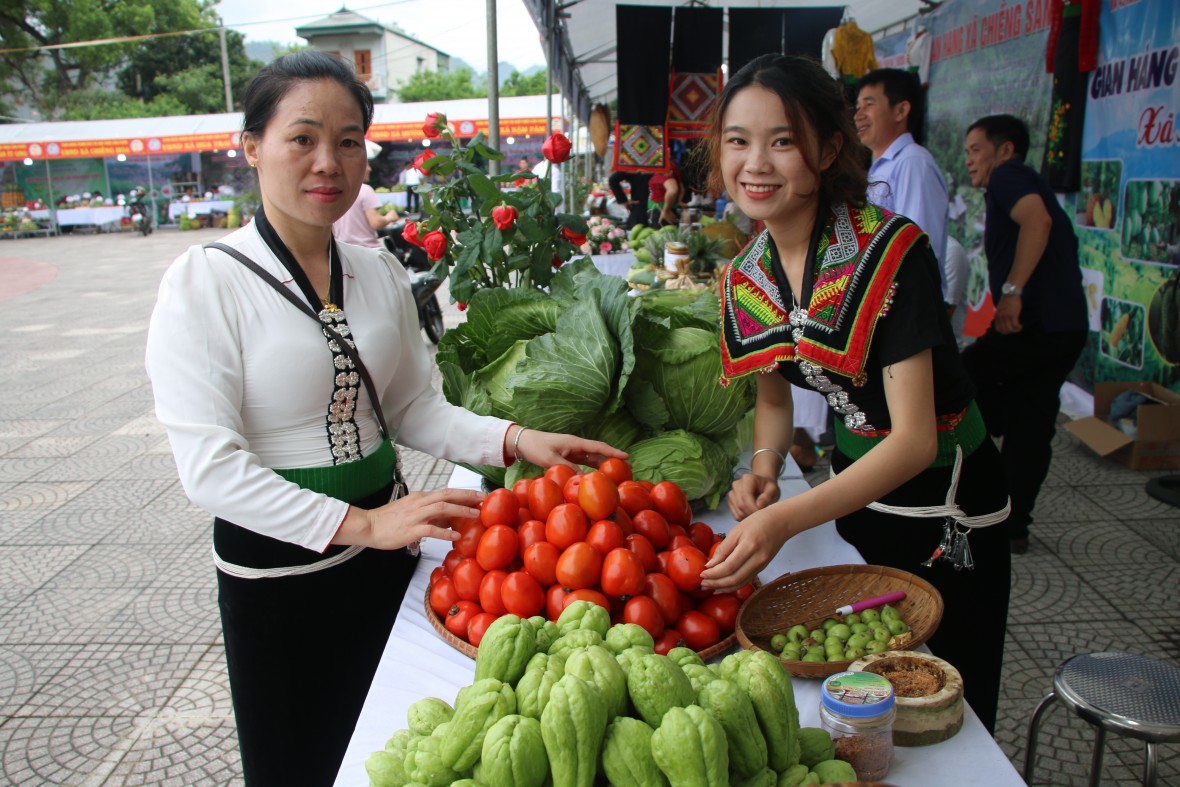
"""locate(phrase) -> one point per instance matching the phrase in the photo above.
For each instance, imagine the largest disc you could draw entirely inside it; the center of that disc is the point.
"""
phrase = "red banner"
(101, 148)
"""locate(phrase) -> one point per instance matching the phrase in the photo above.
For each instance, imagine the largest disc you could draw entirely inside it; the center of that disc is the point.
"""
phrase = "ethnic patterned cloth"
(640, 148)
(691, 98)
(856, 259)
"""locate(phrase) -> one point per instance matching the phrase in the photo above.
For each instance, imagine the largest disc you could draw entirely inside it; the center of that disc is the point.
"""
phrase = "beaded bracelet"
(516, 444)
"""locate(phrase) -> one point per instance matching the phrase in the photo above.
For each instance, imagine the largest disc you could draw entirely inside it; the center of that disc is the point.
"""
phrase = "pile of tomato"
(629, 546)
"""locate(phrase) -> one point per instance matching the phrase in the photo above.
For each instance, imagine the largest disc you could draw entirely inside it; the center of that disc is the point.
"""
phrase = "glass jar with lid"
(857, 710)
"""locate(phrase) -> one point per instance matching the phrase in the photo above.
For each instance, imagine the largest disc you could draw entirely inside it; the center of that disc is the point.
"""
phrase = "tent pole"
(52, 202)
(493, 88)
(549, 30)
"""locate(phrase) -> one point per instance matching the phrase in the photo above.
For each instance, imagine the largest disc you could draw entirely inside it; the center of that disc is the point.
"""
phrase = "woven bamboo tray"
(810, 596)
(470, 650)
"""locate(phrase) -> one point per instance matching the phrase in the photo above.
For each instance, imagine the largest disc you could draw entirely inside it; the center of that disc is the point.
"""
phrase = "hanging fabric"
(695, 82)
(644, 36)
(1069, 45)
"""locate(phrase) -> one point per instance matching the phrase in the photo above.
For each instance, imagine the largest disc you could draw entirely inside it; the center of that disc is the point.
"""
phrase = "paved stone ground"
(111, 661)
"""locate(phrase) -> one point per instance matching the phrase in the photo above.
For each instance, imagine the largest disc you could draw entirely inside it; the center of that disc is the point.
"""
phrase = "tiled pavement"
(111, 661)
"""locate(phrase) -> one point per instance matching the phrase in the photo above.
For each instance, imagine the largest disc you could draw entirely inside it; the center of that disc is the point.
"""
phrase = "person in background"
(956, 272)
(904, 177)
(636, 203)
(411, 178)
(1040, 324)
(840, 296)
(360, 223)
(287, 440)
(665, 190)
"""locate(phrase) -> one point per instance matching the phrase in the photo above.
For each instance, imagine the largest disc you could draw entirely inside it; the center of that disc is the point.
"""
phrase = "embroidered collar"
(855, 261)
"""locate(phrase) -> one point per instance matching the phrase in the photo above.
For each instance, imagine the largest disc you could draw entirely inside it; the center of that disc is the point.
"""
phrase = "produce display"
(579, 551)
(873, 630)
(607, 707)
(640, 373)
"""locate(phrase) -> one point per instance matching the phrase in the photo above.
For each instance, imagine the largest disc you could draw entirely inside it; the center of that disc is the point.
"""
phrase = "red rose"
(435, 244)
(421, 159)
(410, 233)
(557, 148)
(575, 238)
(435, 122)
(504, 216)
(461, 306)
(557, 261)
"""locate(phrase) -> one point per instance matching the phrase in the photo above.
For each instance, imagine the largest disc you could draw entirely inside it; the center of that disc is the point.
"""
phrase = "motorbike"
(424, 283)
(140, 216)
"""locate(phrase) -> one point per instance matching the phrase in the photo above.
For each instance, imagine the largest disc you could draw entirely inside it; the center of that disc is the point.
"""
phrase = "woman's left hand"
(745, 550)
(545, 449)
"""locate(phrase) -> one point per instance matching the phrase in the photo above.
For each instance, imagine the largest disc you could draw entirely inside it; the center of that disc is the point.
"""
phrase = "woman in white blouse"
(275, 433)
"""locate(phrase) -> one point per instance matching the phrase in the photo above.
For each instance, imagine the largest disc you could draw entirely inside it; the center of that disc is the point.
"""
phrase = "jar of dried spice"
(857, 710)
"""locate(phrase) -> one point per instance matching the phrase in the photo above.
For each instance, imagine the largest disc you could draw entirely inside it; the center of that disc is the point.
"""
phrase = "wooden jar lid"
(921, 720)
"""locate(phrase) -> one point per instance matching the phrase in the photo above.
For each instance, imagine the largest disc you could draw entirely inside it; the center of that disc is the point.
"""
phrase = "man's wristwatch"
(1011, 289)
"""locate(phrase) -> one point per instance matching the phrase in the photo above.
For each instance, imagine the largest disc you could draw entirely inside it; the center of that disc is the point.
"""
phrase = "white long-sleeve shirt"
(243, 381)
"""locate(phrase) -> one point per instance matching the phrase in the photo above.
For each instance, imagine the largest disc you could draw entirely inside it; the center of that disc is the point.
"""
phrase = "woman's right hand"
(401, 522)
(752, 493)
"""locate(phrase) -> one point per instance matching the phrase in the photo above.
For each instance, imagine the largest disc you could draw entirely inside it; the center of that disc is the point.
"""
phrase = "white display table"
(417, 663)
(83, 217)
(398, 198)
(199, 208)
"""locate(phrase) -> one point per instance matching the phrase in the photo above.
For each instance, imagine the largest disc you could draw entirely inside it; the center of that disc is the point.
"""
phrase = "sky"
(457, 27)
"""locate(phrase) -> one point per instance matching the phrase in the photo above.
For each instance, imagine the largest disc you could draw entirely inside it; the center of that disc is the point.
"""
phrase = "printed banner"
(640, 148)
(691, 98)
(139, 146)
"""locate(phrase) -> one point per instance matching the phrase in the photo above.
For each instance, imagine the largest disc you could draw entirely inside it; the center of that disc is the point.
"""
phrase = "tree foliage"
(436, 86)
(517, 84)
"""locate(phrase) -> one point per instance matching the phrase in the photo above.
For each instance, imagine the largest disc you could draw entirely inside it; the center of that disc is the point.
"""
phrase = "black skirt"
(302, 650)
(975, 602)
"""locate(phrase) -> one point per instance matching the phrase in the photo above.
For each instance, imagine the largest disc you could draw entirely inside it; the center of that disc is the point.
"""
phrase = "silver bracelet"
(782, 459)
(516, 444)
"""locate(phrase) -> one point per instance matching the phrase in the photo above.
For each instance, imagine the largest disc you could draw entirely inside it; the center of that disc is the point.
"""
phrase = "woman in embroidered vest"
(275, 432)
(840, 296)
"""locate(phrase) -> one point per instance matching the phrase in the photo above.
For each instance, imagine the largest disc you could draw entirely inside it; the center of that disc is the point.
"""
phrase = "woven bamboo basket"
(810, 596)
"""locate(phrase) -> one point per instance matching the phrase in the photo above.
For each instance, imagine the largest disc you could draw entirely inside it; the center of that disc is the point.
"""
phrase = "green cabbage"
(694, 462)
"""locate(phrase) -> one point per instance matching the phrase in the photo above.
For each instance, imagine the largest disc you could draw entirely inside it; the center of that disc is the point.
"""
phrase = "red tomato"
(438, 573)
(579, 566)
(569, 492)
(566, 525)
(461, 523)
(648, 485)
(633, 498)
(676, 530)
(598, 495)
(616, 470)
(544, 496)
(671, 638)
(443, 596)
(499, 508)
(459, 616)
(605, 536)
(670, 501)
(467, 576)
(723, 608)
(622, 573)
(664, 592)
(555, 601)
(623, 520)
(497, 548)
(479, 626)
(702, 536)
(586, 594)
(745, 591)
(530, 532)
(680, 540)
(642, 549)
(652, 526)
(521, 490)
(522, 595)
(700, 631)
(662, 559)
(642, 611)
(540, 561)
(490, 588)
(559, 474)
(685, 566)
(469, 536)
(451, 561)
(523, 515)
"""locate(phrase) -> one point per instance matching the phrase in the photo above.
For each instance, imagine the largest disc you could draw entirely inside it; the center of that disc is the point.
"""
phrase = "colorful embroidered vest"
(856, 259)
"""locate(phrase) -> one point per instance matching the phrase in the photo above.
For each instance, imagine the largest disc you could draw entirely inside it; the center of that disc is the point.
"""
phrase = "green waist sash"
(966, 429)
(351, 481)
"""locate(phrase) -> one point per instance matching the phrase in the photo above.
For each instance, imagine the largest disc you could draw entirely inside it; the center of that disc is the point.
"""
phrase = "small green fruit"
(853, 618)
(876, 646)
(889, 612)
(854, 653)
(841, 631)
(869, 616)
(861, 628)
(778, 642)
(827, 624)
(897, 626)
(819, 635)
(797, 633)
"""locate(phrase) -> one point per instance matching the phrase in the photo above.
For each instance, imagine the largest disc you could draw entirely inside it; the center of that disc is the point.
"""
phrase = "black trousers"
(413, 200)
(975, 603)
(301, 653)
(1018, 379)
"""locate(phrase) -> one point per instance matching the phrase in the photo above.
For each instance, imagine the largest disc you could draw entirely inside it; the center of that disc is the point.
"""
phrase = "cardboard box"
(1157, 443)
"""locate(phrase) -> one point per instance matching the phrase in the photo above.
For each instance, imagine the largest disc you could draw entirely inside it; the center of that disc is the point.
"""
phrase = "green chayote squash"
(514, 753)
(656, 684)
(725, 701)
(834, 772)
(763, 778)
(424, 763)
(488, 701)
(793, 776)
(597, 665)
(815, 745)
(631, 655)
(685, 656)
(572, 726)
(541, 674)
(583, 615)
(689, 746)
(625, 635)
(577, 638)
(627, 757)
(546, 632)
(764, 678)
(427, 713)
(505, 650)
(699, 676)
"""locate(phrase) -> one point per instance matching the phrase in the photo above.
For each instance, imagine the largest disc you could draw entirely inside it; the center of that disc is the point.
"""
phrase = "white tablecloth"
(614, 264)
(81, 217)
(200, 208)
(417, 663)
(398, 198)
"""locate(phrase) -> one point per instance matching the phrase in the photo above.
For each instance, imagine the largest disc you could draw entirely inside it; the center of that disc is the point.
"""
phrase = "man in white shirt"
(904, 177)
(411, 178)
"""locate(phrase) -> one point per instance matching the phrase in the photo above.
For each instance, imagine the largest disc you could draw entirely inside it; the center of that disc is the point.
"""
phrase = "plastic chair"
(1121, 692)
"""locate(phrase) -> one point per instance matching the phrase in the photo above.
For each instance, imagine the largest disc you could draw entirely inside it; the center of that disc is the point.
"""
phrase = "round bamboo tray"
(810, 596)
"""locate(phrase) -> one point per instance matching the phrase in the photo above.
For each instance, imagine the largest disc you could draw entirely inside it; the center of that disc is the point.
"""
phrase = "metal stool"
(1121, 692)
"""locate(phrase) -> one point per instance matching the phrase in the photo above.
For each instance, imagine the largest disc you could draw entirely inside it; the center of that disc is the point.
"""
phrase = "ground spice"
(869, 753)
(910, 678)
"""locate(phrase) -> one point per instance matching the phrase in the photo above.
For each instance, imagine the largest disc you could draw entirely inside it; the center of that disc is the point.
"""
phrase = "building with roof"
(384, 55)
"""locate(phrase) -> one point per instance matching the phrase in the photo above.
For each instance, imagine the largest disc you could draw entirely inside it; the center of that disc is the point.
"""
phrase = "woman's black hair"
(809, 94)
(273, 82)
